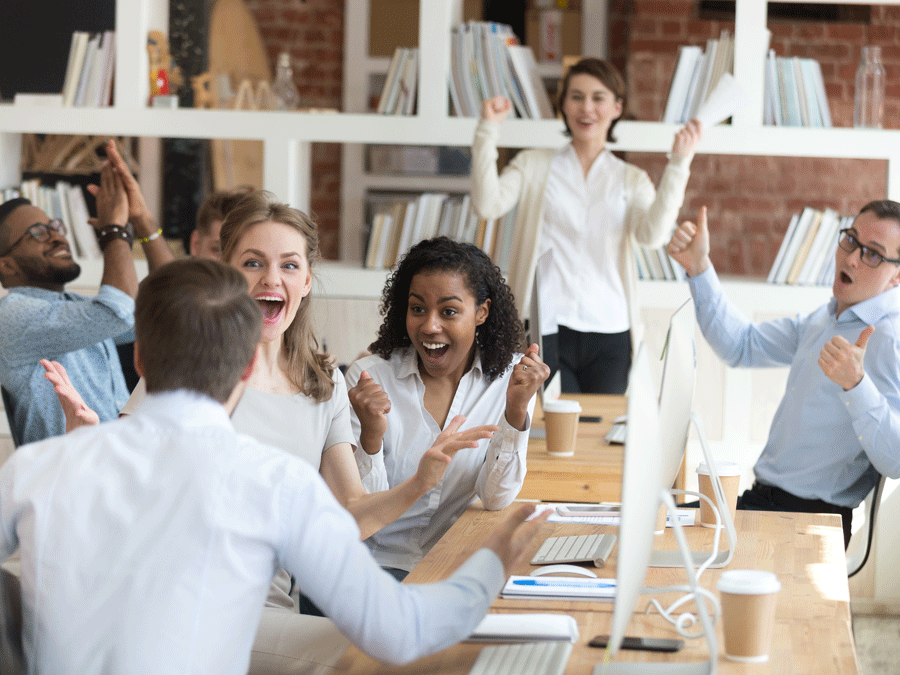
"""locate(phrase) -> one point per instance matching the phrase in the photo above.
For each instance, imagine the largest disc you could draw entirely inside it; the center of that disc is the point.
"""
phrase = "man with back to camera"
(166, 526)
(39, 319)
(838, 425)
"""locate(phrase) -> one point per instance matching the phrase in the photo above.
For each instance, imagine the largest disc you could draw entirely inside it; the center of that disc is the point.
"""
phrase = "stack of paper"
(525, 628)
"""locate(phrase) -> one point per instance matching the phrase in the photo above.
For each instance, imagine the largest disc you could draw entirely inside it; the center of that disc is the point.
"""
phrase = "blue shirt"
(825, 443)
(73, 329)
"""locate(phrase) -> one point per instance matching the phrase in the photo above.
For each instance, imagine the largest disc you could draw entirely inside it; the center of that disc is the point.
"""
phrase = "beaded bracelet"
(113, 232)
(149, 237)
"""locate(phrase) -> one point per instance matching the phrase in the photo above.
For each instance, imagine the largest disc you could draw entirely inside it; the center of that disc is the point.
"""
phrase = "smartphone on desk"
(575, 510)
(641, 643)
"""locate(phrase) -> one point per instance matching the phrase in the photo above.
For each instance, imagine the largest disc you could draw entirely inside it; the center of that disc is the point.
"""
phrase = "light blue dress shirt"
(825, 443)
(78, 332)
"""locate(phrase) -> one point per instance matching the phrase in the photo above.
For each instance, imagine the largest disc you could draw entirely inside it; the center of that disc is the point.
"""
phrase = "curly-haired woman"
(447, 346)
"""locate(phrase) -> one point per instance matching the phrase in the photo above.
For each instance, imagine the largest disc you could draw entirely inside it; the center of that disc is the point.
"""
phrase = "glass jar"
(286, 94)
(869, 103)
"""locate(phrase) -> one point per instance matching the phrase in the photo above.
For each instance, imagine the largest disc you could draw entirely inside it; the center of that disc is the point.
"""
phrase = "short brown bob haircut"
(196, 327)
(608, 75)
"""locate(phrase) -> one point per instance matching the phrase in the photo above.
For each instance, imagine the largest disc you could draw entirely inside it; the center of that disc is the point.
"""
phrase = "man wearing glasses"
(838, 424)
(40, 319)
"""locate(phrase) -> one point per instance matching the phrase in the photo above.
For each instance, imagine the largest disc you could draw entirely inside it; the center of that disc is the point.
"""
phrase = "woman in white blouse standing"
(590, 209)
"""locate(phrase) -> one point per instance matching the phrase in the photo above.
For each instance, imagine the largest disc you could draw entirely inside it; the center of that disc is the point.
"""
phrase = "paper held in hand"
(722, 102)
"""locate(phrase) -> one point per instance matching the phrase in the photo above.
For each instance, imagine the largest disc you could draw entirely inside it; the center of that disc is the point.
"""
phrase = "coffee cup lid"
(748, 582)
(722, 468)
(562, 406)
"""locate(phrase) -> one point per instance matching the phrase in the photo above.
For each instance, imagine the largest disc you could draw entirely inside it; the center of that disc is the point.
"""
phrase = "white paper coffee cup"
(561, 424)
(748, 600)
(730, 476)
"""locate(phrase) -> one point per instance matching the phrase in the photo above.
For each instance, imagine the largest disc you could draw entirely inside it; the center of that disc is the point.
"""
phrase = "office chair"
(12, 653)
(8, 407)
(859, 551)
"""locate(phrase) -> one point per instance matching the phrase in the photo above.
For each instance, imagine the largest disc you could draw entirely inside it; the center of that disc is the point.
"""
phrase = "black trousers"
(769, 498)
(589, 363)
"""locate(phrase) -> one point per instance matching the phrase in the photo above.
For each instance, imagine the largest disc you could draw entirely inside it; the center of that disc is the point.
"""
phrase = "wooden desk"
(813, 635)
(593, 473)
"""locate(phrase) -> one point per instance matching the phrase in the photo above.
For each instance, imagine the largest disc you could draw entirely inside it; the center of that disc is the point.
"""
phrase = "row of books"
(806, 255)
(795, 93)
(66, 202)
(401, 220)
(697, 72)
(89, 72)
(656, 264)
(486, 60)
(399, 94)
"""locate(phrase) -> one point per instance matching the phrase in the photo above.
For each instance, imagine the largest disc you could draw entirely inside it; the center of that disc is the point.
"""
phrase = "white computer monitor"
(676, 395)
(642, 469)
(676, 391)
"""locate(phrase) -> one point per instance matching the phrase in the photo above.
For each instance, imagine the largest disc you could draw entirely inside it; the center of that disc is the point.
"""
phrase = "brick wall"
(312, 31)
(751, 199)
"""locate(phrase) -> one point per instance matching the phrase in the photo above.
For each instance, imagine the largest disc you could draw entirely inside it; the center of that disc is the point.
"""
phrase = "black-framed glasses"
(41, 232)
(870, 258)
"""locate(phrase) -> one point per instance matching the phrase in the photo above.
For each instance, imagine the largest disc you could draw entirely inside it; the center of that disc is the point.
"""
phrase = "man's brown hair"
(196, 327)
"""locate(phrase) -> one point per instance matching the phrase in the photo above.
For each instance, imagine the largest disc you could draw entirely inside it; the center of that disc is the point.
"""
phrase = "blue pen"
(563, 582)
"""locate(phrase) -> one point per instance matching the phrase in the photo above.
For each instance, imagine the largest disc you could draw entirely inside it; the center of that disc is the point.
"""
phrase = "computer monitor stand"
(708, 667)
(673, 558)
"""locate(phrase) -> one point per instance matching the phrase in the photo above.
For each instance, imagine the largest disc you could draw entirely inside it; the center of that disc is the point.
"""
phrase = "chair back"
(858, 552)
(8, 407)
(12, 653)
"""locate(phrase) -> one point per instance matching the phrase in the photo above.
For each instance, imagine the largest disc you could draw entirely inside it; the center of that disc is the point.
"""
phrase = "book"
(87, 67)
(800, 86)
(82, 231)
(681, 82)
(533, 89)
(793, 244)
(779, 257)
(407, 99)
(77, 50)
(805, 246)
(391, 82)
(106, 94)
(821, 95)
(772, 95)
(570, 588)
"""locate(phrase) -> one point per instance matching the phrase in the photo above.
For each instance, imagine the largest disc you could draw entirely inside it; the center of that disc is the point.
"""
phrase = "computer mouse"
(564, 569)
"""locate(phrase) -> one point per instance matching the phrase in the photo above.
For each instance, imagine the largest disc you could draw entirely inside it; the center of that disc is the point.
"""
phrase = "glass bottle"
(286, 94)
(869, 103)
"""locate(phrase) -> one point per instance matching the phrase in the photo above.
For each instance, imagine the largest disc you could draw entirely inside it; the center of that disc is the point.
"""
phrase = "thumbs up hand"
(843, 362)
(689, 245)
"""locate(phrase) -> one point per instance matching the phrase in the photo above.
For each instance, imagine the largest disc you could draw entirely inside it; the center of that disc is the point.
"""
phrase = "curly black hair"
(498, 338)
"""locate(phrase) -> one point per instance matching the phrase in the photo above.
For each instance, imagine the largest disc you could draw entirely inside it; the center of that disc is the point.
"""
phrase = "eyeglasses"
(869, 258)
(41, 232)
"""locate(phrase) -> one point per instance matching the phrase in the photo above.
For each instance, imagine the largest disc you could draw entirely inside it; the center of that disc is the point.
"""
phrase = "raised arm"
(492, 194)
(112, 211)
(374, 510)
(146, 231)
(652, 212)
(400, 622)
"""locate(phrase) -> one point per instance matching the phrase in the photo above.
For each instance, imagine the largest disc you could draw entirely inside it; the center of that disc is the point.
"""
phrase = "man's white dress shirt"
(148, 544)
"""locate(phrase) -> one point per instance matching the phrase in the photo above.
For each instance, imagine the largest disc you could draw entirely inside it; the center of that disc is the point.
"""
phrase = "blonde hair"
(310, 370)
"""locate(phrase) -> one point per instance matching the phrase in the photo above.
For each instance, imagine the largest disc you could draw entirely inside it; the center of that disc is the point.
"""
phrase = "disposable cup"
(748, 600)
(561, 423)
(730, 476)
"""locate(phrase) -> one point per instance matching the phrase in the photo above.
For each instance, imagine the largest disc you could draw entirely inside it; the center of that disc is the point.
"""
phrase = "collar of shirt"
(409, 364)
(869, 311)
(185, 409)
(35, 292)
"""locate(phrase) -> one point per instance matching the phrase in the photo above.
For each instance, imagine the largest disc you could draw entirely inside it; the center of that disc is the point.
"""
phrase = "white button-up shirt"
(494, 471)
(581, 286)
(148, 544)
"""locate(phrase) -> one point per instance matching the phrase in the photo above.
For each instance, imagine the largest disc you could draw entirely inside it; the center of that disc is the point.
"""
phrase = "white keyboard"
(548, 657)
(617, 434)
(577, 548)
